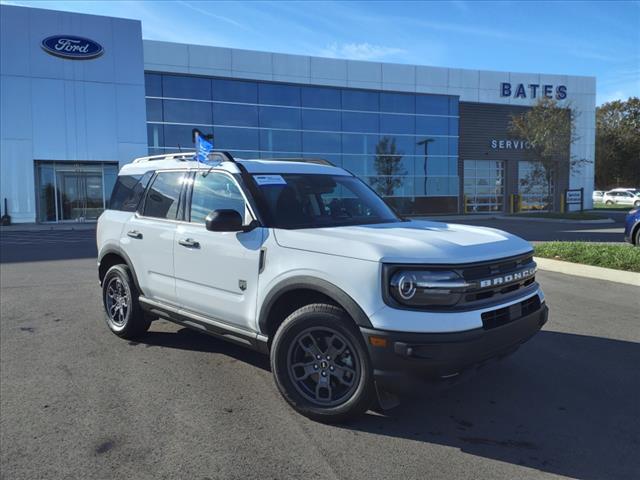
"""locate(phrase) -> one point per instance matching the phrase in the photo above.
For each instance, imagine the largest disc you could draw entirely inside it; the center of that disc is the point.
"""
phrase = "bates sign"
(71, 46)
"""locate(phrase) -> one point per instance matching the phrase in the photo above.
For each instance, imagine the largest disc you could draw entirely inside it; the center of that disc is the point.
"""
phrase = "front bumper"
(407, 357)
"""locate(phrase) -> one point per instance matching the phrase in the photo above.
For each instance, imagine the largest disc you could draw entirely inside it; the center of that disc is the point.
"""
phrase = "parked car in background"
(632, 227)
(621, 197)
(597, 196)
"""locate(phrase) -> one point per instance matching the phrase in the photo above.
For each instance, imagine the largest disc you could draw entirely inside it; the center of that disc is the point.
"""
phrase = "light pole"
(426, 143)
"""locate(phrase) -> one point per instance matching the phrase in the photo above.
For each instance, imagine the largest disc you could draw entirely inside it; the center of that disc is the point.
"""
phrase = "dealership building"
(82, 95)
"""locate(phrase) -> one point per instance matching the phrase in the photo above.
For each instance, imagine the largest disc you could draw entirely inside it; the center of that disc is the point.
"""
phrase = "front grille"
(474, 273)
(502, 316)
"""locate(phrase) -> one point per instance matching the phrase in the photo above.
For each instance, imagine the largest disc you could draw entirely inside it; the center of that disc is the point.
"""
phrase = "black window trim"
(141, 207)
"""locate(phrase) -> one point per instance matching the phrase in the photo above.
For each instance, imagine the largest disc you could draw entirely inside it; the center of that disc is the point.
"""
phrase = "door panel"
(149, 244)
(217, 272)
(149, 239)
(210, 277)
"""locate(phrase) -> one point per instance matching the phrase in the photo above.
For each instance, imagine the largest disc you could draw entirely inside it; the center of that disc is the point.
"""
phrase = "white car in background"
(597, 196)
(621, 196)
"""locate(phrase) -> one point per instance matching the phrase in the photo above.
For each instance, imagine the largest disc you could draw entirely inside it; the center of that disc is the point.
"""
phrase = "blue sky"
(578, 38)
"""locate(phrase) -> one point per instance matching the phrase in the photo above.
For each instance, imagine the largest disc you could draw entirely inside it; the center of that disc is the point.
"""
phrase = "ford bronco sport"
(301, 260)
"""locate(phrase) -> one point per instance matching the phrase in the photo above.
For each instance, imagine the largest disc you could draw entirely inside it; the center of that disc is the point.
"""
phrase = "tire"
(637, 237)
(608, 202)
(325, 389)
(636, 203)
(123, 313)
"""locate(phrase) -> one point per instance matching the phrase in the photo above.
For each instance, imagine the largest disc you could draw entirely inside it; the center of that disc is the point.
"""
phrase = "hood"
(407, 242)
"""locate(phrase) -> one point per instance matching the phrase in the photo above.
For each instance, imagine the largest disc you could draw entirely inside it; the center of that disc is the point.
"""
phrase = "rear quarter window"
(128, 191)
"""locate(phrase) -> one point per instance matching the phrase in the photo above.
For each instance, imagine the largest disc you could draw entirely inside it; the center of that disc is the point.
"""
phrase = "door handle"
(189, 243)
(134, 234)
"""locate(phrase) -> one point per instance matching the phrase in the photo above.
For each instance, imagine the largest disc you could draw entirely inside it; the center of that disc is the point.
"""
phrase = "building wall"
(479, 86)
(61, 109)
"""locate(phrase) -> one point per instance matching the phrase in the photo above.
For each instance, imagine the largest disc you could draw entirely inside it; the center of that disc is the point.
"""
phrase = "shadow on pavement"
(187, 339)
(564, 404)
(37, 246)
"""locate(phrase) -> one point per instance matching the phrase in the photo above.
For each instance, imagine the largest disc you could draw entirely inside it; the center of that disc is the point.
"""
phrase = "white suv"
(304, 262)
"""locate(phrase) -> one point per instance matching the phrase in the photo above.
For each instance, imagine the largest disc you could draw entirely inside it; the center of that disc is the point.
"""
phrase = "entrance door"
(72, 192)
(80, 195)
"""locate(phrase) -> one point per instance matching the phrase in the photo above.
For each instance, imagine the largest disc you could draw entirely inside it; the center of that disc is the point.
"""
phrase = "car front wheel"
(321, 365)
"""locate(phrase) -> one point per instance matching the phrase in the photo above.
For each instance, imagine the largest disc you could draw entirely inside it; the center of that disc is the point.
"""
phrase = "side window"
(164, 195)
(128, 191)
(216, 191)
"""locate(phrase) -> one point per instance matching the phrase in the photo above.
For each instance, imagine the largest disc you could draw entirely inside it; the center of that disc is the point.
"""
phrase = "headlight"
(421, 288)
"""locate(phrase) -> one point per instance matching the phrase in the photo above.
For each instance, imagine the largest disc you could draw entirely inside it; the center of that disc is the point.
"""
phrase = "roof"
(185, 161)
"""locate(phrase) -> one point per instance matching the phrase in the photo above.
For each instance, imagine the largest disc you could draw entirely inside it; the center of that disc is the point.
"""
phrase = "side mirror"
(224, 221)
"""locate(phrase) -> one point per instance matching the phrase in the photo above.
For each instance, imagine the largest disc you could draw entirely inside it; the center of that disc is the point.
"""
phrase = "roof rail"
(186, 156)
(319, 161)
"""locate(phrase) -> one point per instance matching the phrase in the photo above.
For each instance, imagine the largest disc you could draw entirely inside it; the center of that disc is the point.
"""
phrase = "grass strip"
(617, 256)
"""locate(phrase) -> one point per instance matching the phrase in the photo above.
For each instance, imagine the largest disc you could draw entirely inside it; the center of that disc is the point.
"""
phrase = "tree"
(388, 165)
(550, 131)
(618, 144)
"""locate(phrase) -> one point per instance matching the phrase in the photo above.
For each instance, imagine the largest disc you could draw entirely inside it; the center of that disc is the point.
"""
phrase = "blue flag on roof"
(203, 148)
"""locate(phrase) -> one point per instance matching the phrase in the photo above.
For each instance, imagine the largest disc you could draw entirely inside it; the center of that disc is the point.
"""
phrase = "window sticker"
(269, 180)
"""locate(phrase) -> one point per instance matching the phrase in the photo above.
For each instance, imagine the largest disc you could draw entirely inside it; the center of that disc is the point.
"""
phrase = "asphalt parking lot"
(78, 402)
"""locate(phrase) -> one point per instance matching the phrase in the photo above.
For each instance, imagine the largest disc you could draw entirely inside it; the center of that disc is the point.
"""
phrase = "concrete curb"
(552, 220)
(480, 217)
(588, 271)
(30, 227)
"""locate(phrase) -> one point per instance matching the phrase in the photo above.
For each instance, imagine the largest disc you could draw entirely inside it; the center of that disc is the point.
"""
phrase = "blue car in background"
(632, 227)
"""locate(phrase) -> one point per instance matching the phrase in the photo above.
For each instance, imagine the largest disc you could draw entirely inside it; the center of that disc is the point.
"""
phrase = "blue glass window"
(432, 125)
(154, 110)
(180, 86)
(315, 142)
(179, 136)
(182, 111)
(359, 143)
(453, 146)
(390, 123)
(152, 85)
(453, 106)
(328, 120)
(280, 117)
(276, 94)
(233, 114)
(360, 100)
(229, 138)
(235, 91)
(432, 104)
(360, 122)
(155, 135)
(436, 146)
(397, 102)
(405, 145)
(280, 141)
(320, 97)
(453, 126)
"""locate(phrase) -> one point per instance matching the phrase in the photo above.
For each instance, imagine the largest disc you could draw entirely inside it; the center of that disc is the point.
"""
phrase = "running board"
(207, 325)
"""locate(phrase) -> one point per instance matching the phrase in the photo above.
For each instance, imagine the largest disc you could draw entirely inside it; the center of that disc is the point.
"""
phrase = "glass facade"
(535, 187)
(404, 145)
(483, 186)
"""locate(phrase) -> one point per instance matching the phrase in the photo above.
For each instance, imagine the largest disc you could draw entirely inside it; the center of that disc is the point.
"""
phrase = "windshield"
(314, 201)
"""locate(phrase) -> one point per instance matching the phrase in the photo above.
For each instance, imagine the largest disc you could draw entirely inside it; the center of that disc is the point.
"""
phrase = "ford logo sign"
(71, 46)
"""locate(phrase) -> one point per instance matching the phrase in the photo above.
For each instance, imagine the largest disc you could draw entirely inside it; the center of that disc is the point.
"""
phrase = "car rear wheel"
(636, 203)
(123, 313)
(608, 202)
(637, 237)
(321, 365)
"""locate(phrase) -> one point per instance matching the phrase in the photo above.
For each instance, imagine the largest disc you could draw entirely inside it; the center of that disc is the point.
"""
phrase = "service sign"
(573, 197)
(72, 47)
